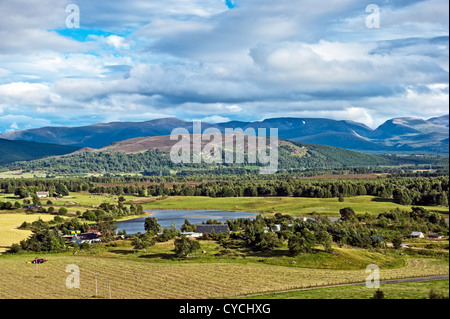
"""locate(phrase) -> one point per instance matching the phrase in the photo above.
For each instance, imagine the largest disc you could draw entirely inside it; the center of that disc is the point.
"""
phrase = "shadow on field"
(382, 200)
(159, 256)
(122, 251)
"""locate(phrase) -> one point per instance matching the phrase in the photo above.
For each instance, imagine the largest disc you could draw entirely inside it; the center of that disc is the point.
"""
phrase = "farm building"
(417, 234)
(42, 194)
(435, 236)
(208, 229)
(85, 238)
(191, 234)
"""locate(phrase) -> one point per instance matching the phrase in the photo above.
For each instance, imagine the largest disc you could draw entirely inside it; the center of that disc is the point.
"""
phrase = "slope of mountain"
(442, 120)
(11, 151)
(151, 155)
(97, 135)
(395, 135)
(413, 134)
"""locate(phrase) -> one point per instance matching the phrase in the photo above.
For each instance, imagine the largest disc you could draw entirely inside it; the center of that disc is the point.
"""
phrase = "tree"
(347, 213)
(43, 239)
(62, 211)
(302, 242)
(143, 241)
(185, 246)
(151, 225)
(107, 227)
(397, 242)
(341, 198)
(62, 189)
(326, 240)
(187, 226)
(269, 241)
(15, 248)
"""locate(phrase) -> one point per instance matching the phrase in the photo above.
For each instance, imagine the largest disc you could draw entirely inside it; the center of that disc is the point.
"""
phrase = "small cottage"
(42, 194)
(417, 234)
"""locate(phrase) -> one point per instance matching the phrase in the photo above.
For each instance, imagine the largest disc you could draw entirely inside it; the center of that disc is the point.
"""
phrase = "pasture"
(295, 206)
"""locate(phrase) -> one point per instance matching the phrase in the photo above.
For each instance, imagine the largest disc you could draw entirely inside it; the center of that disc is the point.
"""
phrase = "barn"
(212, 228)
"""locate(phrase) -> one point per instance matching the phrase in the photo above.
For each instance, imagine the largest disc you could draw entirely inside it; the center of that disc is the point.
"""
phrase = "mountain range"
(11, 151)
(399, 135)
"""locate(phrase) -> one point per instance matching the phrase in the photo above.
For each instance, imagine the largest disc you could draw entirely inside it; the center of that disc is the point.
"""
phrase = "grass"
(141, 278)
(9, 234)
(295, 206)
(410, 290)
(340, 259)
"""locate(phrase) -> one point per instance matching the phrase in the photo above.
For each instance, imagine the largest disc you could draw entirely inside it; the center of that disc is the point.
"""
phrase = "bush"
(434, 294)
(15, 248)
(185, 246)
(397, 242)
(379, 294)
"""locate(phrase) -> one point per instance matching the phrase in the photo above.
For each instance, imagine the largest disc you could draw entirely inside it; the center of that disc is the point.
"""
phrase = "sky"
(221, 60)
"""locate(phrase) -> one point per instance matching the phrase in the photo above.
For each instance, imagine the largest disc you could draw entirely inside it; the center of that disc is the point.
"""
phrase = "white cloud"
(198, 58)
(215, 119)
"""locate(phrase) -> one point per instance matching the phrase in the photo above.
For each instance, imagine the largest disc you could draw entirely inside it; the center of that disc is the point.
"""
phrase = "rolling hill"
(150, 155)
(399, 135)
(12, 151)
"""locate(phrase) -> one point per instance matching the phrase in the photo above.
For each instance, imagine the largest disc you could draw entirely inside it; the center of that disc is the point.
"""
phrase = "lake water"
(167, 217)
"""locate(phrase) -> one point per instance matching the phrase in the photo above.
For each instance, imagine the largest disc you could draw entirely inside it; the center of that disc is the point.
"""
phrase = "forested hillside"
(292, 156)
(12, 151)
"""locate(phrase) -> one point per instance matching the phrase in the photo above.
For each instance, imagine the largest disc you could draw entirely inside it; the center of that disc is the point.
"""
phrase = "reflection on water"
(167, 217)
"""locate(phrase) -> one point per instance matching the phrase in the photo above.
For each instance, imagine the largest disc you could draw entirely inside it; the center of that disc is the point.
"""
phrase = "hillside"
(12, 151)
(441, 120)
(394, 136)
(150, 155)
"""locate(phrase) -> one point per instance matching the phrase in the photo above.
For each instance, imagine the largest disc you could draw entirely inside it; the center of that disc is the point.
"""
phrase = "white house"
(42, 194)
(191, 234)
(417, 234)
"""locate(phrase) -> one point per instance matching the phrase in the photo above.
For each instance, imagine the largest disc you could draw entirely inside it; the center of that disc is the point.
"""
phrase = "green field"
(157, 274)
(410, 290)
(9, 234)
(295, 206)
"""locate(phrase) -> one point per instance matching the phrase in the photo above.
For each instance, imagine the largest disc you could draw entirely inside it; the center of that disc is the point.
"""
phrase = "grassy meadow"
(409, 290)
(295, 206)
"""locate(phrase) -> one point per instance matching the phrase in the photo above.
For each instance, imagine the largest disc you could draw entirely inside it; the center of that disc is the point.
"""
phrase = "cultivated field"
(143, 279)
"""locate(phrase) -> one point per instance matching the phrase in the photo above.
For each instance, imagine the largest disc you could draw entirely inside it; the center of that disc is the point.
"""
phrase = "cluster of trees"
(24, 187)
(153, 234)
(294, 157)
(114, 211)
(362, 231)
(47, 236)
(405, 191)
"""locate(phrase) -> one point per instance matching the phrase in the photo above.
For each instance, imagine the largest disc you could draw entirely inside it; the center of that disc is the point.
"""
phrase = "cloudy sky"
(220, 60)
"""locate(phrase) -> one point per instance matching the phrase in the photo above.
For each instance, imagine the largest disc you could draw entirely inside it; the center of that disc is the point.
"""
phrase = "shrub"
(379, 294)
(185, 246)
